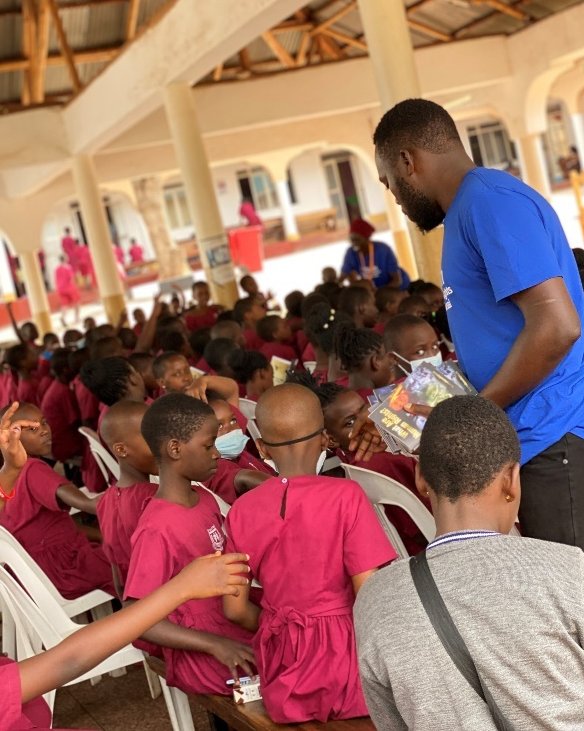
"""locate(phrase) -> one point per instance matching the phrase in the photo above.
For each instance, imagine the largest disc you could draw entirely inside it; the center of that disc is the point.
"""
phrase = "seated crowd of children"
(164, 397)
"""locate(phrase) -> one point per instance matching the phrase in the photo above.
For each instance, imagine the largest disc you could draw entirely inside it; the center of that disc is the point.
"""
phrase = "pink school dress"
(306, 537)
(168, 537)
(223, 481)
(118, 512)
(42, 524)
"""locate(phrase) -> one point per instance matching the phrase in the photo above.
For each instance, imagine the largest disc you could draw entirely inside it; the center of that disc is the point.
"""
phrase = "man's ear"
(173, 449)
(407, 163)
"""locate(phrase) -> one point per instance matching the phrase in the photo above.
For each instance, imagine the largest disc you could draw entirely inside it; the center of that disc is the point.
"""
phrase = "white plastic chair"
(45, 624)
(30, 574)
(105, 461)
(253, 430)
(382, 490)
(247, 408)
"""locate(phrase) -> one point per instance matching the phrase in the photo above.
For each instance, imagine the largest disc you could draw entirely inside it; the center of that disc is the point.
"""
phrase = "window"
(257, 185)
(490, 145)
(177, 209)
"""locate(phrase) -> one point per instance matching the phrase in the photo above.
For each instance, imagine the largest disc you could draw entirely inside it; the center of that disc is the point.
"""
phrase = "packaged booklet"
(427, 385)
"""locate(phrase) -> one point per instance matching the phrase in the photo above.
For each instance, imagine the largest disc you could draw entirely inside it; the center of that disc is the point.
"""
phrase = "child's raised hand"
(11, 447)
(199, 388)
(215, 575)
(365, 439)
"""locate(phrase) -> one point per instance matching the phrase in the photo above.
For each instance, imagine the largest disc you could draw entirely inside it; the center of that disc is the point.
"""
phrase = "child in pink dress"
(122, 504)
(37, 514)
(67, 289)
(312, 541)
(201, 648)
(237, 470)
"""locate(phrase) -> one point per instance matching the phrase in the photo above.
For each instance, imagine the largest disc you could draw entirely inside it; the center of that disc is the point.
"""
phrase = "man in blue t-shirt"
(514, 302)
(373, 260)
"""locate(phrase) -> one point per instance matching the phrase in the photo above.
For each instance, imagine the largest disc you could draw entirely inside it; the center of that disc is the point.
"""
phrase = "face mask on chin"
(232, 444)
(435, 360)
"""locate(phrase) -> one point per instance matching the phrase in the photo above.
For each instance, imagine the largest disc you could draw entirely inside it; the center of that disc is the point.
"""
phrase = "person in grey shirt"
(518, 603)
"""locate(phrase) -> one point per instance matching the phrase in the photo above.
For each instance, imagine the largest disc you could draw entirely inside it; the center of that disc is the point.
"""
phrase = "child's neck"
(176, 488)
(250, 325)
(360, 380)
(130, 475)
(384, 317)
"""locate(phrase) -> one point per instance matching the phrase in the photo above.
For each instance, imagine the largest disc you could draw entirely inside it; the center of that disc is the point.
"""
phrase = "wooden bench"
(253, 716)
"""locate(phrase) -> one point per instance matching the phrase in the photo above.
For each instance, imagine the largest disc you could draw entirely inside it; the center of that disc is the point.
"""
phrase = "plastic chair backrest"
(247, 408)
(37, 584)
(101, 454)
(253, 430)
(382, 490)
(310, 365)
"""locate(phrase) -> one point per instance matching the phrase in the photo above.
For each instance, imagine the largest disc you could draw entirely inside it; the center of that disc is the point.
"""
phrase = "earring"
(508, 498)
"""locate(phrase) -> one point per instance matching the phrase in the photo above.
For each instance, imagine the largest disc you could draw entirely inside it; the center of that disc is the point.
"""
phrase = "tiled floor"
(116, 704)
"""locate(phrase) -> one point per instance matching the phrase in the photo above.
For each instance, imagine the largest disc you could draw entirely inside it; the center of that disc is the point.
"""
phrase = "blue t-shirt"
(501, 237)
(384, 265)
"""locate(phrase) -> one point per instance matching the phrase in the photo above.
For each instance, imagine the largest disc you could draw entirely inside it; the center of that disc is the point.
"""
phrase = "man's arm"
(552, 326)
(380, 701)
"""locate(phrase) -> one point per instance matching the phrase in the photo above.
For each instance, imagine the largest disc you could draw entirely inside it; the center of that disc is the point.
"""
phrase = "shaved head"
(121, 419)
(288, 412)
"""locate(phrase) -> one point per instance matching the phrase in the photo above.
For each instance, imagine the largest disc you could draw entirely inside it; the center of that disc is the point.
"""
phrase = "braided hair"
(321, 324)
(354, 345)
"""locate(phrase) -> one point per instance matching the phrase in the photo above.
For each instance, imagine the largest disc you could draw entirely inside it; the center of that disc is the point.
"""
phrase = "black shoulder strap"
(449, 635)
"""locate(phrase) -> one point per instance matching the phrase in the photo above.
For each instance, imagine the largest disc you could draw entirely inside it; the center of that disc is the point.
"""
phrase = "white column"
(109, 285)
(35, 290)
(200, 192)
(533, 165)
(392, 56)
(578, 127)
(7, 288)
(288, 217)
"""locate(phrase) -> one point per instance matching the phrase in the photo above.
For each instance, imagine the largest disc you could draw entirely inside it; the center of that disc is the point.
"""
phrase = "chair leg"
(153, 681)
(169, 705)
(183, 709)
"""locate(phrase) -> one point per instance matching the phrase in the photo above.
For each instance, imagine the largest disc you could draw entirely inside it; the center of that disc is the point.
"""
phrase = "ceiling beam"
(429, 31)
(343, 38)
(245, 59)
(330, 47)
(38, 68)
(335, 17)
(289, 25)
(278, 50)
(28, 47)
(132, 19)
(91, 55)
(218, 73)
(503, 8)
(66, 51)
(303, 48)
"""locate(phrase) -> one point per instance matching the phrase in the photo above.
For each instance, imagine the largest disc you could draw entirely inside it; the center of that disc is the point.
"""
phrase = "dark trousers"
(552, 493)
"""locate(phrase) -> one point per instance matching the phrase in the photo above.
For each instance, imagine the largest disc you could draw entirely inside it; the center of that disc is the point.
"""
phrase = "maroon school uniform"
(168, 537)
(8, 386)
(402, 469)
(223, 481)
(308, 354)
(199, 321)
(14, 715)
(252, 340)
(118, 513)
(28, 392)
(59, 408)
(87, 403)
(42, 524)
(280, 350)
(305, 645)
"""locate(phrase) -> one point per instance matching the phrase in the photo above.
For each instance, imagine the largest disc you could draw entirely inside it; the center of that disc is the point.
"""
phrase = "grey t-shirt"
(518, 604)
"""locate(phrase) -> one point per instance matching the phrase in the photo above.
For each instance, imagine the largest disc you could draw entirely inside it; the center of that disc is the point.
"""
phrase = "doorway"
(344, 186)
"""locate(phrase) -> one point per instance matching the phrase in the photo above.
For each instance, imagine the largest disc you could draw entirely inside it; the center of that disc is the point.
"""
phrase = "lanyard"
(371, 261)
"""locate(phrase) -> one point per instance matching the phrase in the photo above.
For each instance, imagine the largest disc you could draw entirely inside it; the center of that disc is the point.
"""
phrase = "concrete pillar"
(288, 217)
(392, 56)
(7, 288)
(578, 127)
(35, 290)
(100, 245)
(200, 193)
(428, 250)
(150, 202)
(533, 166)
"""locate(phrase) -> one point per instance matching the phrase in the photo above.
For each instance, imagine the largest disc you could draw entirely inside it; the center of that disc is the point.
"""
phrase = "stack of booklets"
(427, 385)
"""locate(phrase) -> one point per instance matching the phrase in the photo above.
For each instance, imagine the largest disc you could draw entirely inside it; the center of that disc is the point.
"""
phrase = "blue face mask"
(232, 444)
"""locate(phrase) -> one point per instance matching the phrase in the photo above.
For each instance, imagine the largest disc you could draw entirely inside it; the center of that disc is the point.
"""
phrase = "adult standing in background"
(68, 244)
(136, 252)
(248, 212)
(514, 302)
(372, 260)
